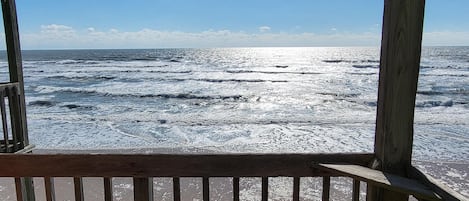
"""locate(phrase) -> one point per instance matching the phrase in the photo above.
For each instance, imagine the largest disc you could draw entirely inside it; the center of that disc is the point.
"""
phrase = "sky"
(103, 24)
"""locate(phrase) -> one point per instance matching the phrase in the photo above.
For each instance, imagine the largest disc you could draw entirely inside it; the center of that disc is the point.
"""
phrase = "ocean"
(254, 100)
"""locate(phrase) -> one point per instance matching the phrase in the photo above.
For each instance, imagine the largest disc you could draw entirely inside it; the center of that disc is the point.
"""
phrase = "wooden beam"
(399, 70)
(172, 165)
(15, 65)
(386, 180)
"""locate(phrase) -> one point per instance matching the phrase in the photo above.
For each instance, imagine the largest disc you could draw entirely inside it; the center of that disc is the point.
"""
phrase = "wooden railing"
(12, 139)
(142, 168)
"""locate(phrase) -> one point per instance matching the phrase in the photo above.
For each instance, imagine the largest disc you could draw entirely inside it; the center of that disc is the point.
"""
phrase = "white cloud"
(150, 38)
(443, 38)
(55, 30)
(65, 37)
(264, 29)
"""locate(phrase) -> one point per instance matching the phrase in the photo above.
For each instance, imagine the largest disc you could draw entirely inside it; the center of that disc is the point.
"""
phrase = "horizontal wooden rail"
(5, 85)
(172, 165)
(389, 181)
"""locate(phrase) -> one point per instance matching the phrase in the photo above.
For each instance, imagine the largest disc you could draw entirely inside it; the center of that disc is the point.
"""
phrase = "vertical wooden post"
(15, 64)
(399, 69)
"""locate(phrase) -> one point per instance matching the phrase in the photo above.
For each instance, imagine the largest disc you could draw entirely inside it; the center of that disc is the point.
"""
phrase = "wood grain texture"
(389, 181)
(172, 165)
(399, 69)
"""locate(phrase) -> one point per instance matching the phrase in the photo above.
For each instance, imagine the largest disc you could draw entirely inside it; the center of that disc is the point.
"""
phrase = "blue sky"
(69, 24)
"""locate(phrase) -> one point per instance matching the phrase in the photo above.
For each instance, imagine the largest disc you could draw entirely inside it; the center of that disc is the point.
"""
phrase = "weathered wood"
(19, 190)
(15, 65)
(4, 121)
(78, 187)
(27, 149)
(107, 189)
(143, 189)
(206, 188)
(49, 188)
(442, 190)
(399, 69)
(356, 190)
(176, 189)
(16, 121)
(392, 182)
(326, 188)
(235, 188)
(24, 189)
(296, 188)
(265, 188)
(172, 165)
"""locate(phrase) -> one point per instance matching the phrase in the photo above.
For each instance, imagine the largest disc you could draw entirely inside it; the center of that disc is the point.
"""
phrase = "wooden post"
(399, 69)
(15, 65)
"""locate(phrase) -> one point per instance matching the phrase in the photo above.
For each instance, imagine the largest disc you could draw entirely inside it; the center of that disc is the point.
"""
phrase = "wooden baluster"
(16, 132)
(356, 190)
(19, 189)
(143, 189)
(78, 185)
(265, 188)
(107, 189)
(206, 188)
(235, 188)
(49, 186)
(296, 188)
(176, 189)
(4, 121)
(326, 185)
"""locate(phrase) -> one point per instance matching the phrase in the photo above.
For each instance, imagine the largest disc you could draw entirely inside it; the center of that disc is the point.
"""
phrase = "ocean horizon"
(241, 100)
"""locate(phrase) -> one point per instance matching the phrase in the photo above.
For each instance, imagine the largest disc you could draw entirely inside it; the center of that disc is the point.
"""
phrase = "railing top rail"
(172, 165)
(8, 84)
